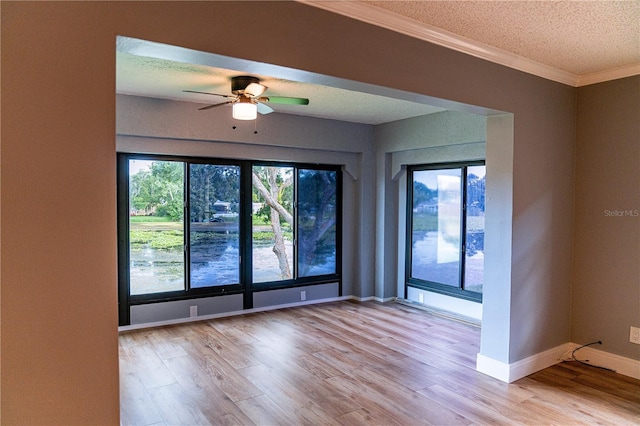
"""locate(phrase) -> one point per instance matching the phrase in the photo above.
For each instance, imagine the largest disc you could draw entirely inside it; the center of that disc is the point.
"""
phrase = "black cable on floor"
(573, 356)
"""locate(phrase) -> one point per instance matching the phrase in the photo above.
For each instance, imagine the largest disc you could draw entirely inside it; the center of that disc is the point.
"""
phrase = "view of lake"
(211, 264)
(425, 263)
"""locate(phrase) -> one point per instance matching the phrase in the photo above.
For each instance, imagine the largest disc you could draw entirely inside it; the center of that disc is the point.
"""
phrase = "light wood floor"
(348, 363)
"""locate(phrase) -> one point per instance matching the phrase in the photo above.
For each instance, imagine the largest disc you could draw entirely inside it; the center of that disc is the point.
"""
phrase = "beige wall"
(59, 336)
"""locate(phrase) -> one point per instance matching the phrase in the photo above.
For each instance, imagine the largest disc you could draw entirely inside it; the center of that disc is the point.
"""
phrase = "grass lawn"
(141, 219)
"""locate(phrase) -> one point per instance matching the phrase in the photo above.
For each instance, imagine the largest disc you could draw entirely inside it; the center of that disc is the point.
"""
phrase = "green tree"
(422, 194)
(159, 191)
(273, 185)
(210, 183)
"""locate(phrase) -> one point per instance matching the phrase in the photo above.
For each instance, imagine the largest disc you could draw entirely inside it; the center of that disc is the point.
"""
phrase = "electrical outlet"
(421, 297)
(634, 335)
(193, 311)
(303, 295)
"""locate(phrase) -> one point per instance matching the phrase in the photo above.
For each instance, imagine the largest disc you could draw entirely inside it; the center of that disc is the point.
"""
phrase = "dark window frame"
(421, 284)
(317, 279)
(245, 286)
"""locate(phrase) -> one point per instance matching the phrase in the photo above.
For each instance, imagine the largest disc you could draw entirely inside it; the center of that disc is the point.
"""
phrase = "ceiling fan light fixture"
(245, 110)
(247, 101)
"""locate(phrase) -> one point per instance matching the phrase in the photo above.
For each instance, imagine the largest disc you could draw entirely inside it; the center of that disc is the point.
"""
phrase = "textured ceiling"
(580, 37)
(166, 79)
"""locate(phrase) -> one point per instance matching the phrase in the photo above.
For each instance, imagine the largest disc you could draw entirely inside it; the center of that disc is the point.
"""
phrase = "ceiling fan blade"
(255, 89)
(264, 109)
(285, 100)
(207, 93)
(215, 105)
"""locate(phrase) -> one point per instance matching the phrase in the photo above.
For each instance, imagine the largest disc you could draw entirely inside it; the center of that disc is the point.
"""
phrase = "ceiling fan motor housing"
(240, 83)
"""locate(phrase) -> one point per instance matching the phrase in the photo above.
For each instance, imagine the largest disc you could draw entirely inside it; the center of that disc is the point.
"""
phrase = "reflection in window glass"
(316, 222)
(188, 229)
(436, 242)
(272, 229)
(474, 249)
(156, 232)
(214, 195)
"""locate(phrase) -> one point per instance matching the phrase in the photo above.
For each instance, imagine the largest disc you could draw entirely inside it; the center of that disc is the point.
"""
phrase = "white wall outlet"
(421, 297)
(193, 311)
(634, 335)
(303, 295)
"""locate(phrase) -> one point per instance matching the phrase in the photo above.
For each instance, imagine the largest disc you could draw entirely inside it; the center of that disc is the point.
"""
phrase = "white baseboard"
(511, 372)
(622, 365)
(491, 367)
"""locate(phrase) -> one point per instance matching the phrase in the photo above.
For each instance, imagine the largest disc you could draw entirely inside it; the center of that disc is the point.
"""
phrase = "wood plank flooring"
(348, 363)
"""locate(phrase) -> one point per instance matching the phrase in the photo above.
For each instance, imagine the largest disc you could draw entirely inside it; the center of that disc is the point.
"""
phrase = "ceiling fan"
(247, 100)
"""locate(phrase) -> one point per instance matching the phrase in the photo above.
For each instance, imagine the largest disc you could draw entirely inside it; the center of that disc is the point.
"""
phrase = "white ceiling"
(573, 42)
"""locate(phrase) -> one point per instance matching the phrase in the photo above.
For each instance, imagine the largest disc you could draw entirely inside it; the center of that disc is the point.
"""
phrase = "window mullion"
(246, 241)
(463, 226)
(294, 228)
(186, 227)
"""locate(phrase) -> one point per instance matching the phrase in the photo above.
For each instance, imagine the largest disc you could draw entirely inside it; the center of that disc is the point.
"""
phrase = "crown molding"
(401, 24)
(608, 75)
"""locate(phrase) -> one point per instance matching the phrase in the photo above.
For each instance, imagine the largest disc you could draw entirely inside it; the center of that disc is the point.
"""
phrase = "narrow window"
(156, 226)
(272, 234)
(437, 205)
(445, 229)
(474, 247)
(214, 232)
(317, 222)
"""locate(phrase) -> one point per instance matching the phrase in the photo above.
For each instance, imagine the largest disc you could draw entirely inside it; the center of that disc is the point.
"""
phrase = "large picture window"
(445, 229)
(186, 224)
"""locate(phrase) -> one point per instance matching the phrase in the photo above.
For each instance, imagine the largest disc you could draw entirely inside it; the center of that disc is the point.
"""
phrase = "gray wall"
(435, 138)
(155, 126)
(58, 151)
(606, 278)
(146, 125)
